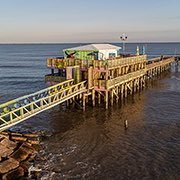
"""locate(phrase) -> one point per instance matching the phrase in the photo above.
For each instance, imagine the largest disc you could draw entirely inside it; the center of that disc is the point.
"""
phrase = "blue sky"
(89, 20)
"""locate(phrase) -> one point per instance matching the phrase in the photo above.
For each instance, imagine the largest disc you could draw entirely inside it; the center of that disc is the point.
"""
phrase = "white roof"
(92, 47)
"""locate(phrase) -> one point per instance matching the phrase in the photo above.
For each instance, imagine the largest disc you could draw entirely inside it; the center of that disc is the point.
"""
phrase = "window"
(112, 55)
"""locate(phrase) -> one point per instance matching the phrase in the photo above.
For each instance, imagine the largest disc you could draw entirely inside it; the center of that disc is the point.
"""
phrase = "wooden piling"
(106, 99)
(84, 102)
(93, 98)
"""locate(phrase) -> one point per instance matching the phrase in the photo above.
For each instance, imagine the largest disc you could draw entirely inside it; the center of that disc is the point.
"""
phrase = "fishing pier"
(86, 82)
(112, 80)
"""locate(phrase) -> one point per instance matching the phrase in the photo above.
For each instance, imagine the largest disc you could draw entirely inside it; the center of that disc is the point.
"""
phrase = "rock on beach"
(16, 150)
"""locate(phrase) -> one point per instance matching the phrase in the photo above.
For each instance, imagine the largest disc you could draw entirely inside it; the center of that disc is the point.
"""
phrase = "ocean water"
(94, 144)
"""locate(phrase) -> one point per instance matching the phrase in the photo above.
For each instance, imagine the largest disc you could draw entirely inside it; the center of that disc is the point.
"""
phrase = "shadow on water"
(94, 144)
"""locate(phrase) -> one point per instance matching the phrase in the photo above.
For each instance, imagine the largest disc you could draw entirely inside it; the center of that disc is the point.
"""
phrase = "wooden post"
(112, 97)
(87, 99)
(90, 78)
(144, 82)
(126, 93)
(119, 71)
(131, 85)
(122, 91)
(138, 84)
(135, 83)
(80, 96)
(122, 72)
(99, 98)
(106, 99)
(84, 102)
(117, 94)
(93, 97)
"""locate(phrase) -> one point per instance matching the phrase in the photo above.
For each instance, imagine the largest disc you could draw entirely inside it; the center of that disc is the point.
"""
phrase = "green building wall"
(82, 55)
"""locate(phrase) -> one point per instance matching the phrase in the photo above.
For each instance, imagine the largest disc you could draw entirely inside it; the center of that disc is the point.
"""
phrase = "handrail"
(127, 77)
(18, 114)
(62, 63)
(126, 61)
(39, 94)
(159, 63)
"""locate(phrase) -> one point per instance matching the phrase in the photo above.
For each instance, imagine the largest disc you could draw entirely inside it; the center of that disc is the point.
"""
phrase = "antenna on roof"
(123, 38)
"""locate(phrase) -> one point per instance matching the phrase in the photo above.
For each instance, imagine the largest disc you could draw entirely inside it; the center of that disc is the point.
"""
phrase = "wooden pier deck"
(98, 81)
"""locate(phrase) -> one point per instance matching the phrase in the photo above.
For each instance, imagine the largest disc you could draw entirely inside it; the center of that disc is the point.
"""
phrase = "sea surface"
(94, 144)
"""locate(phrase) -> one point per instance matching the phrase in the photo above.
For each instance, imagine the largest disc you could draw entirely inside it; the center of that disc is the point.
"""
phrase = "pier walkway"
(22, 108)
(105, 83)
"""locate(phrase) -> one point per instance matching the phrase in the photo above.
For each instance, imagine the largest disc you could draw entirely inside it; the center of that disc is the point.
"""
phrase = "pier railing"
(127, 77)
(154, 64)
(111, 83)
(63, 63)
(25, 107)
(119, 61)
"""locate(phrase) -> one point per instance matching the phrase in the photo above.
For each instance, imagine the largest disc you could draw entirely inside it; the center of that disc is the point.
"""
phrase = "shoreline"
(18, 152)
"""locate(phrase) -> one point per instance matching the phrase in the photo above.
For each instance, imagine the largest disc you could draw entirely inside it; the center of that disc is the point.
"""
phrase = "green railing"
(22, 108)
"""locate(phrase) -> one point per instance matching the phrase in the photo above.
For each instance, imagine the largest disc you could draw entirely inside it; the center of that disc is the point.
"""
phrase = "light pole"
(123, 38)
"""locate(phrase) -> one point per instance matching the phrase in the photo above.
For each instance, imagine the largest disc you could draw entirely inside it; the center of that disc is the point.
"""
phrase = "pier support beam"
(93, 97)
(106, 99)
(84, 102)
(122, 92)
(112, 97)
(99, 98)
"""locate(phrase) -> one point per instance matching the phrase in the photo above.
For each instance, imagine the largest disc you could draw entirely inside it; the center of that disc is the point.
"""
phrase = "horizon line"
(89, 42)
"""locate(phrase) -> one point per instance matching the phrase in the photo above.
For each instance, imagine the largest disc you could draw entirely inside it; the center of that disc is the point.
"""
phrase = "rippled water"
(94, 144)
